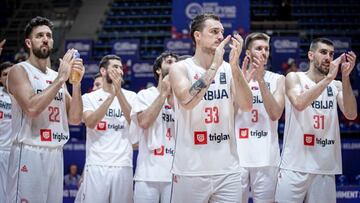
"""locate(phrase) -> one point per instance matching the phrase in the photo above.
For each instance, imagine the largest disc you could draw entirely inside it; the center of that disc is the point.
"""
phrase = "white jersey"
(5, 120)
(108, 143)
(156, 144)
(205, 140)
(312, 136)
(257, 137)
(50, 128)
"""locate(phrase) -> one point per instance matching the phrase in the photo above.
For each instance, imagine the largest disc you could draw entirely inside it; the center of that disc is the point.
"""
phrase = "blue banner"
(341, 45)
(126, 49)
(83, 46)
(283, 51)
(142, 75)
(179, 46)
(234, 15)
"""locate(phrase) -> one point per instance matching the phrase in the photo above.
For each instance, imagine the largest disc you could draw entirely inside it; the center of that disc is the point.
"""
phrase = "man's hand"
(164, 85)
(236, 48)
(248, 74)
(348, 66)
(259, 66)
(2, 43)
(65, 65)
(116, 77)
(219, 53)
(334, 67)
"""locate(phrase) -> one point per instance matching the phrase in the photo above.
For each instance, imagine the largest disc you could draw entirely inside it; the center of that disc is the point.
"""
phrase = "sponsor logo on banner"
(160, 151)
(143, 69)
(101, 125)
(45, 135)
(126, 48)
(244, 133)
(309, 139)
(200, 137)
(179, 46)
(194, 9)
(84, 47)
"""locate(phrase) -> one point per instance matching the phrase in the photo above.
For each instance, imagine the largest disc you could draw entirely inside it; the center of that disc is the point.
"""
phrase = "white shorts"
(36, 174)
(296, 187)
(152, 192)
(4, 163)
(203, 189)
(108, 184)
(262, 181)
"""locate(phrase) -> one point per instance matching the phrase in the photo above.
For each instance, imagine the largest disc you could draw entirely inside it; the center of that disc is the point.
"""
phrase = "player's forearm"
(76, 106)
(124, 104)
(272, 107)
(41, 100)
(350, 106)
(196, 92)
(303, 100)
(147, 117)
(95, 117)
(241, 90)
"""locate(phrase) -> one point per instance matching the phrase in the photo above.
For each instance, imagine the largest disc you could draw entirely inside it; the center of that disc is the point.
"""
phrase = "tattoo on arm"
(197, 87)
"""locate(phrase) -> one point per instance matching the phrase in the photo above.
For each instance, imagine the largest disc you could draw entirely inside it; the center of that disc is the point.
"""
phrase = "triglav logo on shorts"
(200, 137)
(160, 151)
(45, 135)
(309, 139)
(244, 133)
(101, 125)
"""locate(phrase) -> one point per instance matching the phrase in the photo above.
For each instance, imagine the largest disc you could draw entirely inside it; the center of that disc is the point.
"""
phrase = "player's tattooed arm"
(202, 84)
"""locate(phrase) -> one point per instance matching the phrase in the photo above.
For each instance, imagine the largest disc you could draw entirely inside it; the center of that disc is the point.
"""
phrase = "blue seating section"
(149, 21)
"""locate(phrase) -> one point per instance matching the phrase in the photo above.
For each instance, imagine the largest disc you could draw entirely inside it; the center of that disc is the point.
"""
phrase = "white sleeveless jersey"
(154, 164)
(108, 143)
(205, 141)
(5, 120)
(256, 133)
(312, 136)
(50, 128)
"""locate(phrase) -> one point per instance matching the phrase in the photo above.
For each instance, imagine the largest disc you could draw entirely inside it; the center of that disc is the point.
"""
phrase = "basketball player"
(153, 117)
(311, 153)
(108, 170)
(256, 131)
(41, 111)
(5, 127)
(206, 163)
(97, 84)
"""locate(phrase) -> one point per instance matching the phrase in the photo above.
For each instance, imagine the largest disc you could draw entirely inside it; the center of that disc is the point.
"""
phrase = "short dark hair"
(197, 24)
(5, 65)
(315, 42)
(159, 60)
(105, 60)
(255, 36)
(35, 22)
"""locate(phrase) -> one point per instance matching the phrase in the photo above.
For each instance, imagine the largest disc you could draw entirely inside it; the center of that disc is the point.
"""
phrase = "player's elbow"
(351, 115)
(32, 112)
(74, 121)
